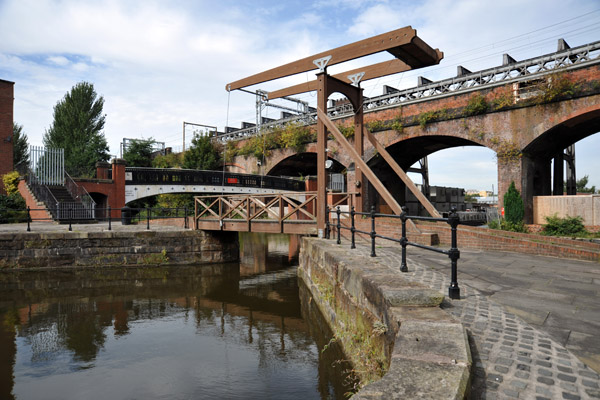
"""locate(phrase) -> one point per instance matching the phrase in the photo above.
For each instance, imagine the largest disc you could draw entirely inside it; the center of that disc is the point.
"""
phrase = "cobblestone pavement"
(512, 359)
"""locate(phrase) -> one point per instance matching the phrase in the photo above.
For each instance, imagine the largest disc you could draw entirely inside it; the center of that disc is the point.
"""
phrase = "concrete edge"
(431, 357)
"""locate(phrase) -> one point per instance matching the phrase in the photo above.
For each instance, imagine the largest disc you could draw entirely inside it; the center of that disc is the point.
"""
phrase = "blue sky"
(159, 63)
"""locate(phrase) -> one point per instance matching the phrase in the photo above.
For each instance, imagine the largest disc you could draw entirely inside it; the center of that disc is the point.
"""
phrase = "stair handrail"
(80, 195)
(41, 192)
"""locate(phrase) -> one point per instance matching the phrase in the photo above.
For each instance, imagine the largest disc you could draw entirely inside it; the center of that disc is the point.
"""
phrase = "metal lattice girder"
(403, 43)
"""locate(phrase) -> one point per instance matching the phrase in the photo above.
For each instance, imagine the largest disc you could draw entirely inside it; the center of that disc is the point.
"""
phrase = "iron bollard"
(70, 218)
(373, 232)
(352, 229)
(404, 239)
(28, 219)
(327, 227)
(454, 254)
(147, 218)
(339, 226)
(109, 218)
(185, 221)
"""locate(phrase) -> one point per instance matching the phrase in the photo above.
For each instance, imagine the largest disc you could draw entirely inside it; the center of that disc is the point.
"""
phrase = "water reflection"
(220, 331)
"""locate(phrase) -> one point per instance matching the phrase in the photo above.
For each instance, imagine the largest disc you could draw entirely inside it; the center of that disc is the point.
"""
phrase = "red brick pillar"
(117, 200)
(6, 129)
(102, 170)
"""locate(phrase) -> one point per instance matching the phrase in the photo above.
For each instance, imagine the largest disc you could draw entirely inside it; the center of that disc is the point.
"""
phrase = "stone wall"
(585, 206)
(97, 249)
(402, 345)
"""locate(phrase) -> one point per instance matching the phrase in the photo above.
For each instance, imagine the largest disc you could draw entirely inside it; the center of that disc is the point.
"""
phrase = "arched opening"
(455, 167)
(101, 201)
(547, 170)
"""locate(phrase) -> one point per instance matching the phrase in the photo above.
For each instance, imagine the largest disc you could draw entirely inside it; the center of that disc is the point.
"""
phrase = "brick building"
(6, 128)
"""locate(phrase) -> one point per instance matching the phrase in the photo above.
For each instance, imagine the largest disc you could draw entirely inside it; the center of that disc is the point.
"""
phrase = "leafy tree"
(203, 154)
(77, 128)
(139, 153)
(171, 160)
(20, 145)
(581, 185)
(514, 210)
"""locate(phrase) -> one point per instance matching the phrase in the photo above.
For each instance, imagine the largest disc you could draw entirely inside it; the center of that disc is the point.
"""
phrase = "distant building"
(6, 128)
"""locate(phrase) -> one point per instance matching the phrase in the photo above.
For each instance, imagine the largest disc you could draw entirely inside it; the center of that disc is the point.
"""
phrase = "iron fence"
(70, 215)
(453, 253)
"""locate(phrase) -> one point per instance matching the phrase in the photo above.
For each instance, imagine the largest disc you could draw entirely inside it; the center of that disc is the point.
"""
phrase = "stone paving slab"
(512, 359)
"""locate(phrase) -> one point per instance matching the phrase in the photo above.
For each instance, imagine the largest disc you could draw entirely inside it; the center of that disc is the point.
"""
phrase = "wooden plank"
(371, 72)
(400, 172)
(365, 47)
(381, 189)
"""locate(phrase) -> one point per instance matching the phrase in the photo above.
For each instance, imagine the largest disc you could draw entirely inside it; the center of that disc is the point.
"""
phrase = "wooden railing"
(275, 213)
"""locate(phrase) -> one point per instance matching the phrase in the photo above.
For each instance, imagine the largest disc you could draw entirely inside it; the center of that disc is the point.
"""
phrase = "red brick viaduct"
(525, 134)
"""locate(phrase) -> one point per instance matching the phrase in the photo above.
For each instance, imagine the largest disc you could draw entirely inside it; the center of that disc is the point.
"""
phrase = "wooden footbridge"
(293, 213)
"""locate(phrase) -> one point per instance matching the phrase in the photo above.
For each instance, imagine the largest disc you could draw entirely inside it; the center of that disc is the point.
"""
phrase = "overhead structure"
(410, 52)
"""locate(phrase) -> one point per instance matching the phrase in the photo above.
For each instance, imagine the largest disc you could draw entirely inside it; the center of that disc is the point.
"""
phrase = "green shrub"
(567, 226)
(508, 226)
(514, 209)
(11, 182)
(477, 105)
(11, 208)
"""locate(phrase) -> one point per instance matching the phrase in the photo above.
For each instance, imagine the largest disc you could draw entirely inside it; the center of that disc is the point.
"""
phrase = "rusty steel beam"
(402, 175)
(381, 189)
(371, 72)
(403, 43)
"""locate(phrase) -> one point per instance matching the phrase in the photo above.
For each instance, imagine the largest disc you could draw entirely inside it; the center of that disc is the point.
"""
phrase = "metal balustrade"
(453, 253)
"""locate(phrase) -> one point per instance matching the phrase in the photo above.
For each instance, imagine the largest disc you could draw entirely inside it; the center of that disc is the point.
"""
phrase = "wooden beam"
(371, 72)
(381, 189)
(365, 47)
(400, 172)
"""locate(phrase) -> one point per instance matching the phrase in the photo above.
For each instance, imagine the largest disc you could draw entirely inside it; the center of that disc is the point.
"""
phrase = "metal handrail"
(453, 253)
(72, 215)
(80, 195)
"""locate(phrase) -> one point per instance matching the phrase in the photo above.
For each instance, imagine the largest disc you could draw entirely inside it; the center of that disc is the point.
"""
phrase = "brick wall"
(6, 128)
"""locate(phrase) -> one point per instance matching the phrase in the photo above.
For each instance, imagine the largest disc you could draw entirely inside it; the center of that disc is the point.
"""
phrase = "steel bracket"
(356, 78)
(322, 62)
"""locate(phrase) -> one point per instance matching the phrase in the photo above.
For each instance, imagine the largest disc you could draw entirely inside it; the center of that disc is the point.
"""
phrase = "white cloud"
(58, 60)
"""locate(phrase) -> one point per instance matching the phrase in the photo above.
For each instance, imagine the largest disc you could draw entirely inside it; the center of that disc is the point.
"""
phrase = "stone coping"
(430, 358)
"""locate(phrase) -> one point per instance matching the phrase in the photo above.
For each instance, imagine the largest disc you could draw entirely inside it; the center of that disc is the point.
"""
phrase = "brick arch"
(567, 130)
(277, 160)
(408, 149)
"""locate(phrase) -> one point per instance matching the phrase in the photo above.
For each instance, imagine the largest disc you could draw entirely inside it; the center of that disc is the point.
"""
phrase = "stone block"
(443, 342)
(412, 379)
(412, 296)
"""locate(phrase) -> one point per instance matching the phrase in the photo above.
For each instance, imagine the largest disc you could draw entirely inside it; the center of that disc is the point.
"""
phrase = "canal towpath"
(533, 321)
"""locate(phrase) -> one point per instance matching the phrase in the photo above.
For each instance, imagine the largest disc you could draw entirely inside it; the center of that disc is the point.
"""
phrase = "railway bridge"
(529, 112)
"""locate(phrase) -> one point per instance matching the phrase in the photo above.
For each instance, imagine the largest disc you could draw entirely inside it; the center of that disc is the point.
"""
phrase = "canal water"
(223, 331)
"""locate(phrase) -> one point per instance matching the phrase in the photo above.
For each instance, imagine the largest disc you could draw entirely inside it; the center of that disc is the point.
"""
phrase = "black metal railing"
(87, 206)
(125, 215)
(453, 253)
(162, 176)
